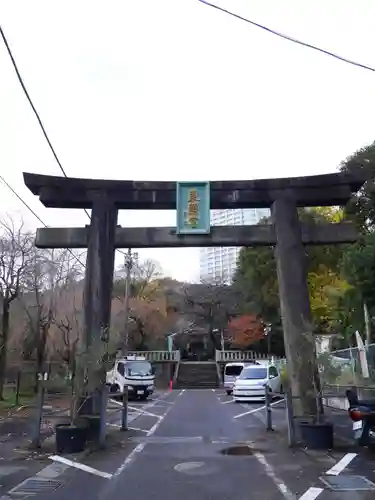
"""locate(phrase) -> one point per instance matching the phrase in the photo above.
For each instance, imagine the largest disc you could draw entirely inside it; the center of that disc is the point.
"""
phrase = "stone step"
(195, 375)
(179, 385)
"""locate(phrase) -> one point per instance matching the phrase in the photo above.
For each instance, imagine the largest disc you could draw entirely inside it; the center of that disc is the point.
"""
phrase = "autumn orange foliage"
(245, 330)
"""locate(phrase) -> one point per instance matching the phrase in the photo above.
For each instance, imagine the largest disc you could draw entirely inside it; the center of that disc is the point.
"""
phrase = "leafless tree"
(16, 246)
(211, 306)
(144, 279)
(51, 273)
(66, 345)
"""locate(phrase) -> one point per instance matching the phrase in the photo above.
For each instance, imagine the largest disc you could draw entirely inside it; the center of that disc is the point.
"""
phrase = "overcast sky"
(175, 90)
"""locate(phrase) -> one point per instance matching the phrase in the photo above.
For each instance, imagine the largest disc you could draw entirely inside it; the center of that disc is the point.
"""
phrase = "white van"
(136, 373)
(252, 383)
(231, 372)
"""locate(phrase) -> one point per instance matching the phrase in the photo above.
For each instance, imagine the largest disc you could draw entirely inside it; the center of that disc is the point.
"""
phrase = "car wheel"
(229, 393)
(115, 388)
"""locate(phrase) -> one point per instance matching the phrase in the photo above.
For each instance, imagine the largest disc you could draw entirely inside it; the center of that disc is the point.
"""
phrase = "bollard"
(124, 414)
(35, 440)
(289, 418)
(103, 415)
(268, 398)
(18, 386)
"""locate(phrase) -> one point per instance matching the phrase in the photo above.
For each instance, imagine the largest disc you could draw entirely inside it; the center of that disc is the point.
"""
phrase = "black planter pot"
(317, 436)
(70, 438)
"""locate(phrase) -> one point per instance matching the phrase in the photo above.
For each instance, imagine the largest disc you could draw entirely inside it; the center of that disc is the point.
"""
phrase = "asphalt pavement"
(195, 444)
(177, 451)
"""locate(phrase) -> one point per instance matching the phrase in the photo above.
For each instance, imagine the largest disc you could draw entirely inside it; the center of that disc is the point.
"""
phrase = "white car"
(231, 372)
(250, 385)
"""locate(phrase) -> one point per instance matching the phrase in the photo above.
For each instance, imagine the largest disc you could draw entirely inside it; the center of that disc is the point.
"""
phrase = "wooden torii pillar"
(283, 196)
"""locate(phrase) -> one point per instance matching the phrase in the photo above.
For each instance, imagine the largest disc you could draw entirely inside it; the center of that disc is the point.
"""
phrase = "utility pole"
(268, 333)
(367, 323)
(128, 264)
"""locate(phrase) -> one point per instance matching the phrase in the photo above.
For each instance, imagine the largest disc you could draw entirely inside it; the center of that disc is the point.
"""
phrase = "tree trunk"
(3, 348)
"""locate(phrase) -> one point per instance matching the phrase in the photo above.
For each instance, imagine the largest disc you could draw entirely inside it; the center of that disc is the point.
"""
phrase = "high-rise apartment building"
(218, 264)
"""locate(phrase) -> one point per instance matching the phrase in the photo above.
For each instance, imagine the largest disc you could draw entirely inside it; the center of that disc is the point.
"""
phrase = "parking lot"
(142, 415)
(180, 441)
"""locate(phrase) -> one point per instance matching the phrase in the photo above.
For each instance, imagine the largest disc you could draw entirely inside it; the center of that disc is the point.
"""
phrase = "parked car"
(231, 372)
(251, 384)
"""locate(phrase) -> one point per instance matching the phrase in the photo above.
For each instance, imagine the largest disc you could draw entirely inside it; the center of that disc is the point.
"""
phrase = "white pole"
(367, 323)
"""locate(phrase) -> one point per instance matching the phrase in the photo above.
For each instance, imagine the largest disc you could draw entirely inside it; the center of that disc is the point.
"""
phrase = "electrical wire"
(22, 200)
(20, 79)
(35, 215)
(44, 224)
(289, 38)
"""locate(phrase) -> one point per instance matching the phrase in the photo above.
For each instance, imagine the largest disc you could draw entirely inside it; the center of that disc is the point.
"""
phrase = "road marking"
(144, 412)
(118, 403)
(341, 464)
(311, 493)
(281, 486)
(257, 409)
(161, 401)
(136, 429)
(139, 448)
(77, 465)
(226, 402)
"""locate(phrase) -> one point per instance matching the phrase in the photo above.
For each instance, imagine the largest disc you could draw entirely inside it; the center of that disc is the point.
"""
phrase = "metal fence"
(36, 401)
(340, 370)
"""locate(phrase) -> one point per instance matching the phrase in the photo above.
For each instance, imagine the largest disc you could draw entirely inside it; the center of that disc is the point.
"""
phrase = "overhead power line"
(290, 38)
(43, 223)
(22, 200)
(20, 79)
(36, 215)
(30, 101)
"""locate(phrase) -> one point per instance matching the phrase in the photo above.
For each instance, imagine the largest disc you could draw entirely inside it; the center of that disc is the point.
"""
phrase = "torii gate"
(287, 234)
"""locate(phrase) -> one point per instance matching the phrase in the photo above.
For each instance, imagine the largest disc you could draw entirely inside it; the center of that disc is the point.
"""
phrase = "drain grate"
(35, 485)
(348, 483)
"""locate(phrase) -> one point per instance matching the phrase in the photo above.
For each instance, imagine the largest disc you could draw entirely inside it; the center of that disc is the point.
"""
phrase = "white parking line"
(144, 412)
(257, 409)
(341, 464)
(77, 465)
(113, 401)
(311, 493)
(226, 402)
(281, 486)
(132, 455)
(161, 401)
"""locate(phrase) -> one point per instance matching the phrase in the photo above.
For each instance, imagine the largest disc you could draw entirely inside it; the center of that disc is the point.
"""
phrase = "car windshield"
(139, 368)
(253, 373)
(233, 371)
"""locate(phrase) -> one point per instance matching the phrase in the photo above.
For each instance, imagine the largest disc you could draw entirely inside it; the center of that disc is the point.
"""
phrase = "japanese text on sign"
(193, 208)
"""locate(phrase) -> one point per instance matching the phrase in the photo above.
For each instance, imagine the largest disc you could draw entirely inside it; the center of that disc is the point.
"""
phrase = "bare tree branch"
(16, 246)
